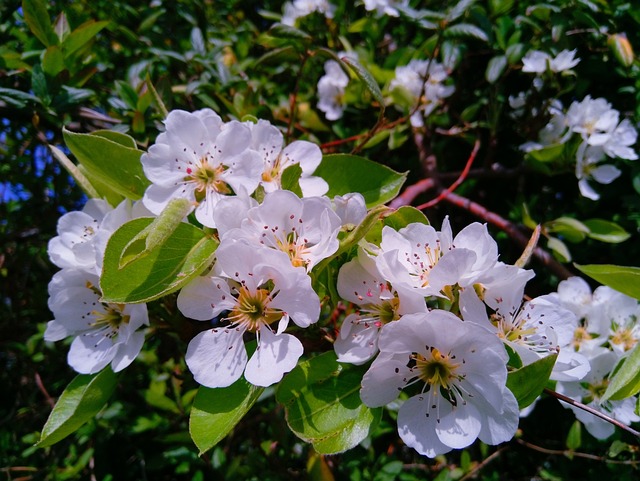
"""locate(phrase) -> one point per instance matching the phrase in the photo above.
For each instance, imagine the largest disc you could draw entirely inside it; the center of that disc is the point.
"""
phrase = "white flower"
(104, 333)
(614, 317)
(385, 7)
(418, 258)
(619, 141)
(423, 79)
(588, 167)
(302, 8)
(267, 141)
(351, 208)
(590, 390)
(593, 119)
(331, 88)
(304, 229)
(262, 289)
(460, 369)
(73, 247)
(201, 159)
(360, 282)
(536, 61)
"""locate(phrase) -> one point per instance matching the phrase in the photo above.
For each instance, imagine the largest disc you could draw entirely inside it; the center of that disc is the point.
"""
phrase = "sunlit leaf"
(626, 381)
(621, 278)
(527, 383)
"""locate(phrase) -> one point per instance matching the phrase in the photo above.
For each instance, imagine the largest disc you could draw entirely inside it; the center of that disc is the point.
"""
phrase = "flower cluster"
(103, 333)
(601, 134)
(607, 331)
(536, 61)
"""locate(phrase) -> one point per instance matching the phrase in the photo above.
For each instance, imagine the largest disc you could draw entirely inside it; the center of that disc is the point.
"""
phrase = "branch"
(411, 192)
(512, 231)
(482, 464)
(593, 411)
(569, 453)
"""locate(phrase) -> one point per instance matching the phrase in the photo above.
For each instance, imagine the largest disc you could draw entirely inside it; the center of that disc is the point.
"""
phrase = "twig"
(568, 452)
(482, 464)
(411, 192)
(44, 391)
(512, 231)
(593, 411)
(458, 181)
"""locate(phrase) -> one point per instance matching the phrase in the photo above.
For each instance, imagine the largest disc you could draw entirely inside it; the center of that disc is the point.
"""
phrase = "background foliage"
(217, 54)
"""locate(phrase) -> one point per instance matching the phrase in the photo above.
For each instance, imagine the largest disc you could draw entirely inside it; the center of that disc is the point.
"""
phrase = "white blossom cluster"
(607, 331)
(602, 135)
(424, 81)
(454, 367)
(302, 8)
(536, 61)
(103, 333)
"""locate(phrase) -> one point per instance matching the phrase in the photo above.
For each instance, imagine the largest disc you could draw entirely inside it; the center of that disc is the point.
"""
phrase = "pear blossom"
(302, 8)
(331, 88)
(593, 119)
(536, 61)
(351, 208)
(460, 373)
(614, 318)
(424, 81)
(589, 167)
(419, 258)
(73, 247)
(589, 391)
(385, 7)
(201, 159)
(360, 282)
(105, 333)
(304, 229)
(267, 142)
(262, 289)
(556, 132)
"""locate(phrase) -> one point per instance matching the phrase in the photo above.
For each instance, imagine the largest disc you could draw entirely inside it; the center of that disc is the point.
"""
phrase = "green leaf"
(17, 98)
(37, 18)
(107, 156)
(527, 383)
(574, 438)
(606, 231)
(621, 278)
(81, 400)
(559, 249)
(280, 30)
(466, 30)
(365, 76)
(81, 36)
(53, 61)
(39, 85)
(548, 153)
(215, 412)
(402, 217)
(626, 381)
(290, 179)
(322, 404)
(167, 267)
(570, 229)
(347, 173)
(495, 68)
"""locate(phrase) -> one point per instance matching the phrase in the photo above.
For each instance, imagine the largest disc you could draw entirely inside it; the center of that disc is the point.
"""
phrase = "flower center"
(512, 331)
(624, 337)
(385, 312)
(272, 171)
(205, 176)
(252, 309)
(579, 336)
(111, 318)
(437, 369)
(295, 247)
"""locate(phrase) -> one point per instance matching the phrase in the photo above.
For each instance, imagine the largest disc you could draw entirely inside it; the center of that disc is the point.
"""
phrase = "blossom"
(385, 7)
(460, 372)
(262, 289)
(351, 208)
(331, 88)
(201, 159)
(589, 167)
(589, 391)
(105, 333)
(302, 8)
(73, 247)
(267, 142)
(614, 318)
(424, 81)
(536, 61)
(593, 119)
(360, 282)
(304, 229)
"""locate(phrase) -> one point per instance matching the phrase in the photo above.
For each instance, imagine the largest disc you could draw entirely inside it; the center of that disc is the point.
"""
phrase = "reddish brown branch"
(411, 192)
(511, 229)
(569, 453)
(458, 181)
(44, 391)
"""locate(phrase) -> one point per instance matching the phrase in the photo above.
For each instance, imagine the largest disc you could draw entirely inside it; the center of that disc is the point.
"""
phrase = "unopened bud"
(621, 48)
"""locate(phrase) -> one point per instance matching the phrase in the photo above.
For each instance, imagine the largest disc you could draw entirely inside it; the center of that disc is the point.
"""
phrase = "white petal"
(217, 357)
(385, 378)
(128, 351)
(460, 427)
(418, 430)
(204, 298)
(605, 174)
(90, 353)
(275, 355)
(357, 341)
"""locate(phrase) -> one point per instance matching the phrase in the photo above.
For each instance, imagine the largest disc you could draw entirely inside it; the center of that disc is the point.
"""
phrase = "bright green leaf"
(290, 179)
(83, 398)
(53, 61)
(82, 35)
(466, 30)
(606, 231)
(164, 269)
(559, 249)
(574, 438)
(527, 383)
(110, 160)
(37, 18)
(215, 412)
(568, 228)
(347, 173)
(548, 153)
(365, 76)
(322, 404)
(626, 381)
(621, 278)
(280, 30)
